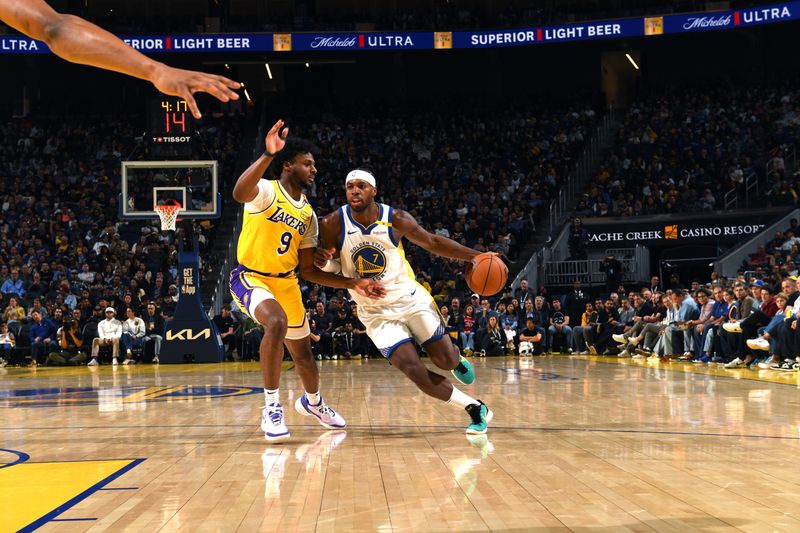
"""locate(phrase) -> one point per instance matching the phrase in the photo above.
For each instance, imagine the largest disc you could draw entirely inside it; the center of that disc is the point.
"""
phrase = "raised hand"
(184, 83)
(276, 138)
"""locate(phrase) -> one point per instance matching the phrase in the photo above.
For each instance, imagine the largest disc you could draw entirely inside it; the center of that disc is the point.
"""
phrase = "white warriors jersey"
(375, 252)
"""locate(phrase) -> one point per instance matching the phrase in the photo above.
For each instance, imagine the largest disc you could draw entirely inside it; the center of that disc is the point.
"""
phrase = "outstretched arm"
(406, 226)
(246, 187)
(79, 41)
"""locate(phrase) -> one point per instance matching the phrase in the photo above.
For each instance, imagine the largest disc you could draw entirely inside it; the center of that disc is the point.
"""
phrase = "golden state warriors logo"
(369, 261)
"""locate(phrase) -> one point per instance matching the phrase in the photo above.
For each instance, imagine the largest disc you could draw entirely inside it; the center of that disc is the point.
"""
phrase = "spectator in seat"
(578, 332)
(494, 340)
(626, 313)
(250, 342)
(133, 334)
(37, 306)
(766, 341)
(450, 325)
(652, 330)
(14, 313)
(511, 339)
(70, 341)
(466, 329)
(575, 303)
(324, 325)
(7, 343)
(748, 327)
(339, 327)
(167, 307)
(483, 314)
(731, 333)
(530, 339)
(559, 325)
(315, 336)
(14, 285)
(43, 337)
(541, 315)
(153, 330)
(510, 317)
(607, 321)
(226, 327)
(686, 311)
(347, 345)
(698, 327)
(109, 333)
(524, 292)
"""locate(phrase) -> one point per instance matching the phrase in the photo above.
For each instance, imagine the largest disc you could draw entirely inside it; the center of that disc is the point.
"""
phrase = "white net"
(168, 215)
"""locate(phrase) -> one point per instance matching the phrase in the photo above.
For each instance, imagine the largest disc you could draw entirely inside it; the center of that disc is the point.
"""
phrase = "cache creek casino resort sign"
(524, 36)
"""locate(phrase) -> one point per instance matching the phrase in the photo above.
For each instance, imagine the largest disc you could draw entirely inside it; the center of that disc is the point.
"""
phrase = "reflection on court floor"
(576, 443)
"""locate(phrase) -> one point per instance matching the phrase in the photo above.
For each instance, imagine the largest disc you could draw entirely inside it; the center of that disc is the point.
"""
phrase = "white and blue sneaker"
(326, 416)
(272, 423)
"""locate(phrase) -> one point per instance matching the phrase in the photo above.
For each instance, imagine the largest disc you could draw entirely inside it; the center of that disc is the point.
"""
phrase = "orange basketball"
(488, 274)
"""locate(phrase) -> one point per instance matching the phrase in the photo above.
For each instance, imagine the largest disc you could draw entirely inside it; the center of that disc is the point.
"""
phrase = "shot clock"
(171, 127)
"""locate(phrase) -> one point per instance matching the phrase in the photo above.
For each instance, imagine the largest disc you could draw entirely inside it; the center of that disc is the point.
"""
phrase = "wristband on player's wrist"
(267, 154)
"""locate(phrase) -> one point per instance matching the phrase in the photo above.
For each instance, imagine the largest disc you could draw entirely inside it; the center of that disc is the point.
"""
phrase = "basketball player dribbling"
(367, 236)
(279, 233)
(78, 41)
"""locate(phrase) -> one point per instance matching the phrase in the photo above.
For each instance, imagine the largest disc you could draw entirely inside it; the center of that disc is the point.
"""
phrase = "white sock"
(313, 397)
(271, 396)
(459, 399)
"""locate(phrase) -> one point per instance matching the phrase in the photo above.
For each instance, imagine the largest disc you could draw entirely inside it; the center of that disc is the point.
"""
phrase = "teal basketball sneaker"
(481, 416)
(464, 372)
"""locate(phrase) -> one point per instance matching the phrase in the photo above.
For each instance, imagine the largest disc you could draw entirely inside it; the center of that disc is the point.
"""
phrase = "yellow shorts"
(250, 288)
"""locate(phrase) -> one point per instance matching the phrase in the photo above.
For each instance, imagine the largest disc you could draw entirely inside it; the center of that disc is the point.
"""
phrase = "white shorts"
(413, 317)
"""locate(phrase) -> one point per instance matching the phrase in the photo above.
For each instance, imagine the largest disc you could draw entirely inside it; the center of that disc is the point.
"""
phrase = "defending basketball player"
(367, 238)
(279, 233)
(78, 41)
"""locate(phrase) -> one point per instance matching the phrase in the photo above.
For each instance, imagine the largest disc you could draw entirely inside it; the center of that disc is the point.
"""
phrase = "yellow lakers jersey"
(274, 229)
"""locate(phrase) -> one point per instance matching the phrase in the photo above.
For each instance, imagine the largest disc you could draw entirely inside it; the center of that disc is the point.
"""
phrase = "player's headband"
(362, 175)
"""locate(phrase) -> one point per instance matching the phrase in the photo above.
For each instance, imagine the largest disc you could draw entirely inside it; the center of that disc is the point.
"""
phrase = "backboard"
(146, 184)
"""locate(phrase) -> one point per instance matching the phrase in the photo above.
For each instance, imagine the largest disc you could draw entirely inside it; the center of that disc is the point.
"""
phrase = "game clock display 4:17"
(171, 127)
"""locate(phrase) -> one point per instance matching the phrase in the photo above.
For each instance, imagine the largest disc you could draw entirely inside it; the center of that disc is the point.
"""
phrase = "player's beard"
(365, 204)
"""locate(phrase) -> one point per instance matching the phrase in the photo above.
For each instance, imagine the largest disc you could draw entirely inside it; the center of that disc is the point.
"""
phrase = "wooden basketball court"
(577, 444)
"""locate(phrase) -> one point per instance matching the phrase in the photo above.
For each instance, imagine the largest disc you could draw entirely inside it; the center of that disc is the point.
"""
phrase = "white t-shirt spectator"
(109, 329)
(134, 326)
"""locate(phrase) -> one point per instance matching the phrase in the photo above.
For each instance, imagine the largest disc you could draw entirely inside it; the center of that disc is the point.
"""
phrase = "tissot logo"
(188, 335)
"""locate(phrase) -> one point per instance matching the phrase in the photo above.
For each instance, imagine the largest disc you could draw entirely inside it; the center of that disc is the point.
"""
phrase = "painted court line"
(436, 427)
(49, 517)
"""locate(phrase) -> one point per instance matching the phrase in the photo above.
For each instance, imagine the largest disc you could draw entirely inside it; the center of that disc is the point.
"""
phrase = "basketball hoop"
(168, 214)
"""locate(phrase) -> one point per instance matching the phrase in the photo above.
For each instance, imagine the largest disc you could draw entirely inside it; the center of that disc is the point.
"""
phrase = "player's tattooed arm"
(405, 225)
(246, 187)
